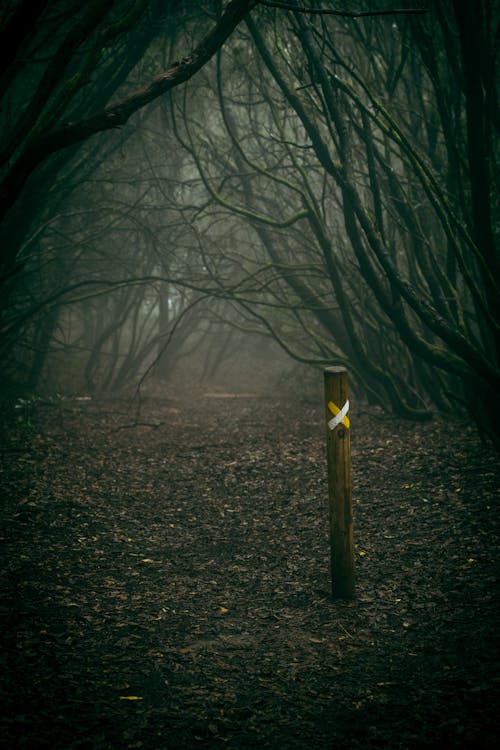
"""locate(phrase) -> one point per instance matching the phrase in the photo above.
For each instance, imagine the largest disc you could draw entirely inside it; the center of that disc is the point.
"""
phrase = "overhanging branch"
(116, 114)
(341, 13)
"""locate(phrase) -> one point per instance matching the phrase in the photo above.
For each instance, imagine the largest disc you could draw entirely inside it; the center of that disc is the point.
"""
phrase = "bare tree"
(62, 67)
(371, 142)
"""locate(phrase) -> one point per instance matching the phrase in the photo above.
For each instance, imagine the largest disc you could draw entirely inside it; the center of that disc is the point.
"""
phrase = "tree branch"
(342, 13)
(117, 114)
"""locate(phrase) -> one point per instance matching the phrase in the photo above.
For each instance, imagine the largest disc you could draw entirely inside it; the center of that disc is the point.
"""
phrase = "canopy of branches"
(321, 180)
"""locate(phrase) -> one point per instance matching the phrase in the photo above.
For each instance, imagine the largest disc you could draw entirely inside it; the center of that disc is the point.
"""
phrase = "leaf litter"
(168, 586)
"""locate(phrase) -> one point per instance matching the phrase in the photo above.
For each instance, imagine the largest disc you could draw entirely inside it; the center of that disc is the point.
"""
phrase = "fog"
(296, 192)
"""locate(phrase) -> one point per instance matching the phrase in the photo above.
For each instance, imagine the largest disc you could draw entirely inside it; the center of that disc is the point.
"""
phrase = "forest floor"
(166, 584)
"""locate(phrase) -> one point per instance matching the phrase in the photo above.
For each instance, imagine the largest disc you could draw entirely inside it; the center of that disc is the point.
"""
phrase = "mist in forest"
(239, 196)
(203, 205)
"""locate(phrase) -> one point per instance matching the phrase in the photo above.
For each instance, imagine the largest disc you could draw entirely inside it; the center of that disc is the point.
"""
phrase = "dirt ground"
(166, 583)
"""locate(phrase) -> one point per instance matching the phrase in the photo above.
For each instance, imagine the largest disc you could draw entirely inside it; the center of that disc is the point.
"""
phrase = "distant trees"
(325, 181)
(351, 166)
(70, 70)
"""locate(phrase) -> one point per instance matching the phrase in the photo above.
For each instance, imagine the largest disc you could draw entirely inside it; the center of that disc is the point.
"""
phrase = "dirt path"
(166, 585)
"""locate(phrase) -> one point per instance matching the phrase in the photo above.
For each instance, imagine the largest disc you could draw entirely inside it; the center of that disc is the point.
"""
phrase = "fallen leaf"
(131, 697)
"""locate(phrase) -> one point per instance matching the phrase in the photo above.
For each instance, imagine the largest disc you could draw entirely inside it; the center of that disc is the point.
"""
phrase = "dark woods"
(324, 182)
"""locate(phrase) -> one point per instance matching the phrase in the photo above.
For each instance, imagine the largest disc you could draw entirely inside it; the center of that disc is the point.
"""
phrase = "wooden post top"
(335, 370)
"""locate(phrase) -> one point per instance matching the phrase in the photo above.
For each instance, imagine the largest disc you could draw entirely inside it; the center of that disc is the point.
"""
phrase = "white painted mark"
(340, 415)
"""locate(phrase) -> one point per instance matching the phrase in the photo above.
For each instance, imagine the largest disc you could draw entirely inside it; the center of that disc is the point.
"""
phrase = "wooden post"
(339, 482)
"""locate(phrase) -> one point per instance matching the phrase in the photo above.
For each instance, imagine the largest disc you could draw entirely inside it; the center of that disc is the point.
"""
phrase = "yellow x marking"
(335, 410)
